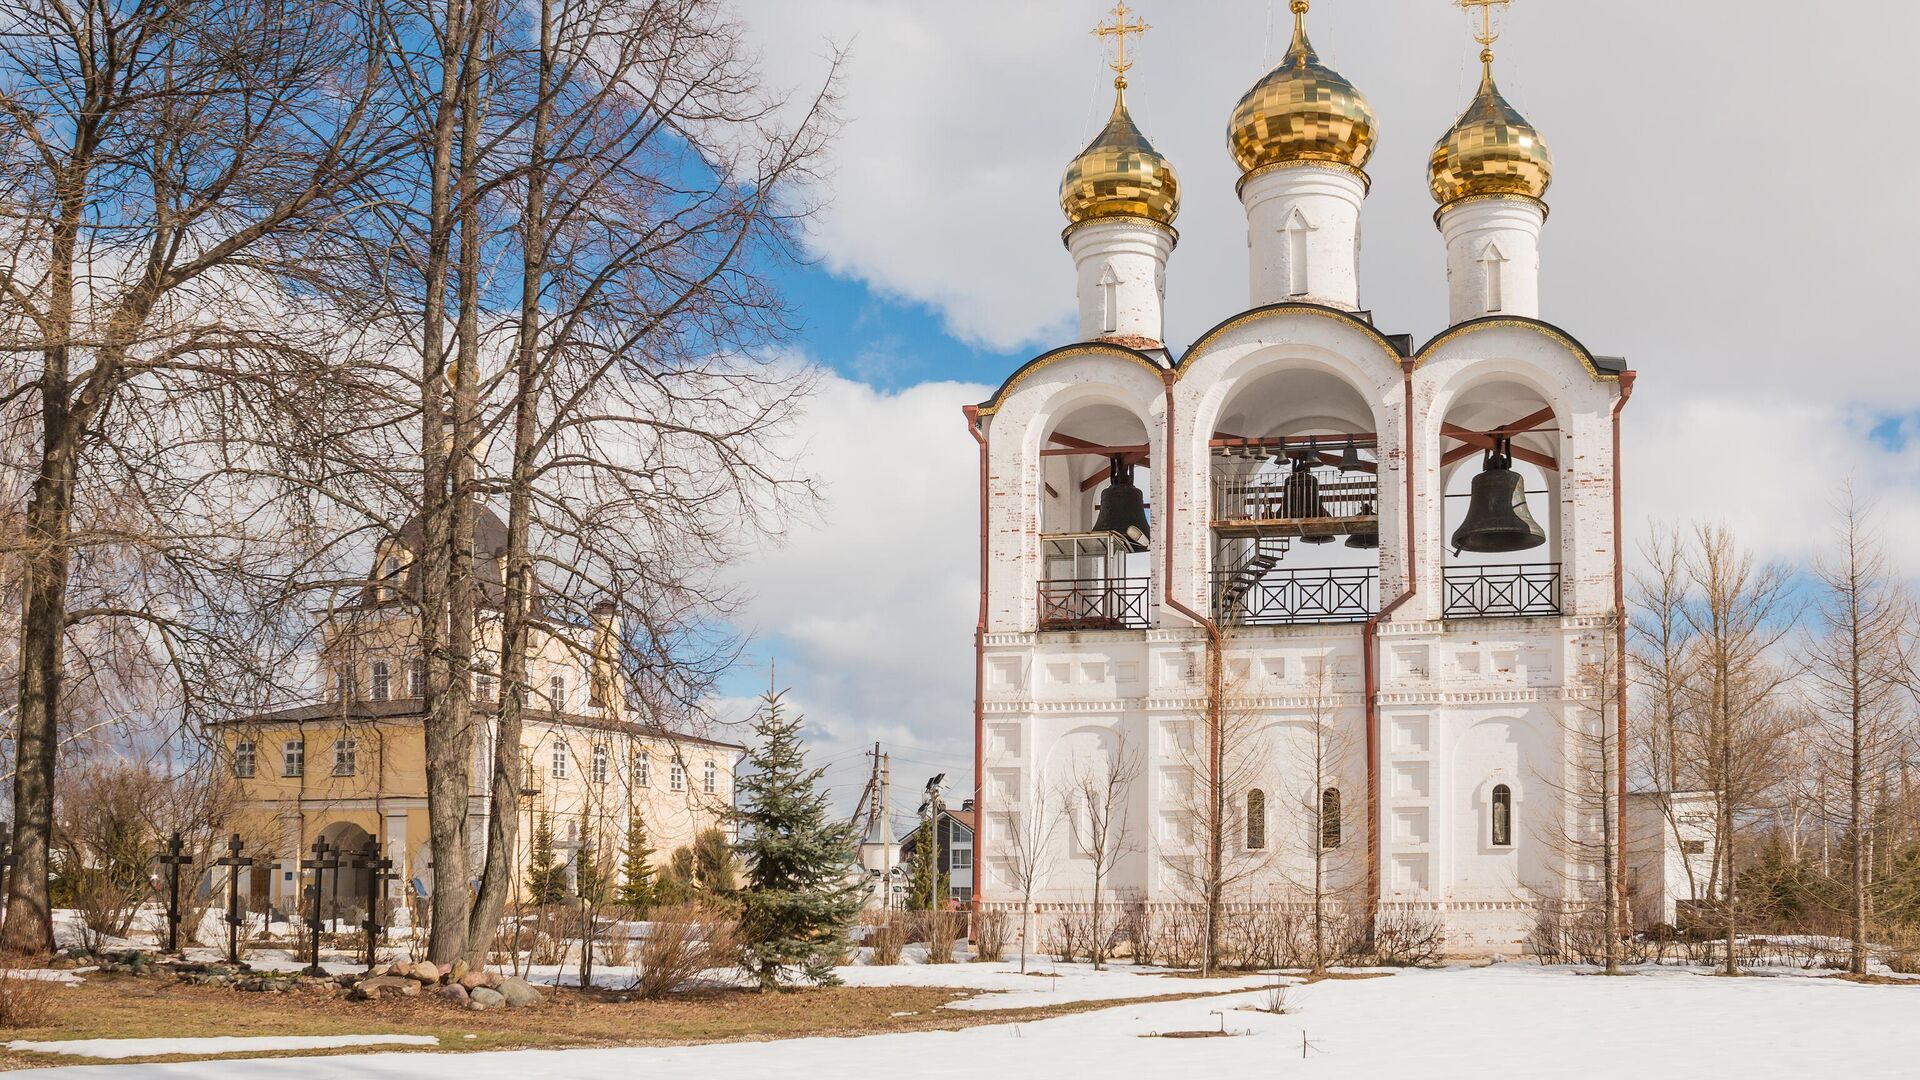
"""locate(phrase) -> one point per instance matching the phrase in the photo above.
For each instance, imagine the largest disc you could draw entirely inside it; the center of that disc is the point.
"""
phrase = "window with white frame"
(642, 768)
(1502, 816)
(677, 777)
(599, 764)
(709, 777)
(380, 684)
(293, 758)
(343, 756)
(483, 688)
(416, 679)
(559, 768)
(557, 693)
(1256, 820)
(243, 758)
(343, 683)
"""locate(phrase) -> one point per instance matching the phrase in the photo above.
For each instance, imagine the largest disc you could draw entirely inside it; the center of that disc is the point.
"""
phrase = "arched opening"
(346, 889)
(1500, 526)
(1096, 526)
(1330, 827)
(1501, 814)
(1295, 500)
(1256, 820)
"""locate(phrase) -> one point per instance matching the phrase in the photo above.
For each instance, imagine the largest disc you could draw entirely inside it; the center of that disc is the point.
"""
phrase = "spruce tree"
(923, 875)
(800, 900)
(636, 893)
(546, 880)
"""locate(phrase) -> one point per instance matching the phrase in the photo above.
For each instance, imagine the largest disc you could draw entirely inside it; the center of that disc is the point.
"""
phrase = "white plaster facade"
(1464, 708)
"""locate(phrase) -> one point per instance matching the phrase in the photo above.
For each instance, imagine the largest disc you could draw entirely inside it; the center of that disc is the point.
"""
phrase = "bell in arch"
(1364, 541)
(1123, 507)
(1300, 499)
(1497, 520)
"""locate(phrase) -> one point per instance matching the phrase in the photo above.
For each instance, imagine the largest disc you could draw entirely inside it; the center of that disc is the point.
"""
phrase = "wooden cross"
(325, 858)
(233, 862)
(1122, 63)
(379, 872)
(173, 859)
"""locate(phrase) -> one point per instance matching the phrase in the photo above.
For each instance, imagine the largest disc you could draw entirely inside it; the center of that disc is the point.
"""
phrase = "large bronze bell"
(1123, 507)
(1497, 520)
(1300, 499)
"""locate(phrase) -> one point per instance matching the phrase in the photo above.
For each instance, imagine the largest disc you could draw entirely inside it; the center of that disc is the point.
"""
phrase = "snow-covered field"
(1458, 1024)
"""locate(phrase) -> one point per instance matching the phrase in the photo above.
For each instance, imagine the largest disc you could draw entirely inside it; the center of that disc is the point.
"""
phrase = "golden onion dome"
(1120, 174)
(1491, 150)
(1301, 111)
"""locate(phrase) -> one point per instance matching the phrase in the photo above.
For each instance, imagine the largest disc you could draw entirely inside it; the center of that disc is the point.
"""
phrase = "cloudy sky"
(1735, 210)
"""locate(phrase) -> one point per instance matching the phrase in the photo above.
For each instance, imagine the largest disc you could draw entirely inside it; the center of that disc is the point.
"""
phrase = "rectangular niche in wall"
(1094, 672)
(1240, 669)
(1468, 660)
(1276, 667)
(1126, 672)
(1410, 825)
(1059, 674)
(1004, 787)
(1410, 873)
(1176, 669)
(1410, 661)
(1410, 734)
(1410, 780)
(1006, 673)
(1506, 661)
(1003, 740)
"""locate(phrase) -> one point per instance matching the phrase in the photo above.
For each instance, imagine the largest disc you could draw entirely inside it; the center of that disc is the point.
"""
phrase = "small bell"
(1350, 457)
(1365, 541)
(1497, 518)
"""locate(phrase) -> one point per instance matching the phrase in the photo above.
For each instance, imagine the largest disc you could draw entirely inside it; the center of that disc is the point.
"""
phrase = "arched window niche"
(1500, 525)
(1097, 523)
(1256, 820)
(1330, 824)
(1500, 817)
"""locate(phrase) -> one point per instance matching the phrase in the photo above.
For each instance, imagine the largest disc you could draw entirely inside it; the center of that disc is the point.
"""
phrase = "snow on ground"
(1046, 982)
(70, 976)
(1456, 1024)
(221, 1044)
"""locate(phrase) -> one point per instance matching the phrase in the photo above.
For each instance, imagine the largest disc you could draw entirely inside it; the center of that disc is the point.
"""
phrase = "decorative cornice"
(1511, 322)
(1366, 182)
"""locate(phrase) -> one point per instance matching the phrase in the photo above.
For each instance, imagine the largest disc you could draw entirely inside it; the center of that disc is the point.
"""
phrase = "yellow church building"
(353, 767)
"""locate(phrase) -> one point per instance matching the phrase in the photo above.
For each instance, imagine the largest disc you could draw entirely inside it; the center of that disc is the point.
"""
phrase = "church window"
(243, 758)
(709, 778)
(677, 777)
(416, 679)
(293, 758)
(599, 764)
(343, 756)
(559, 760)
(1502, 816)
(381, 681)
(1330, 818)
(557, 692)
(1256, 820)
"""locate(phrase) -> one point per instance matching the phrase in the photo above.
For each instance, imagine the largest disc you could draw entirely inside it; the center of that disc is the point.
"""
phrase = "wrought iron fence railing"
(1475, 592)
(1094, 604)
(1283, 597)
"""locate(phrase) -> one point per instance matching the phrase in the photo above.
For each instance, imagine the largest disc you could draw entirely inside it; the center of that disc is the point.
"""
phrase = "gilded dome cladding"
(1492, 150)
(1120, 174)
(1301, 111)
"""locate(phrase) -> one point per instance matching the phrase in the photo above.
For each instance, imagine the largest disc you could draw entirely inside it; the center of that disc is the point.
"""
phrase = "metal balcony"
(1492, 592)
(1252, 596)
(1094, 604)
(1260, 505)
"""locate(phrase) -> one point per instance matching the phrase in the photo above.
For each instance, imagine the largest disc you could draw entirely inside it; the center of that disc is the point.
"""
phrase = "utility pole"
(886, 826)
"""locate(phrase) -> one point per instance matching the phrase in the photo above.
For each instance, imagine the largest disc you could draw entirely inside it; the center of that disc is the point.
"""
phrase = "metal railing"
(1264, 498)
(1484, 592)
(1293, 597)
(1095, 604)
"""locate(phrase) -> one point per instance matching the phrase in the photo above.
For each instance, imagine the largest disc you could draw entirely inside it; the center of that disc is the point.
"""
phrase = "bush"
(1407, 939)
(941, 931)
(887, 939)
(990, 936)
(25, 1002)
(682, 944)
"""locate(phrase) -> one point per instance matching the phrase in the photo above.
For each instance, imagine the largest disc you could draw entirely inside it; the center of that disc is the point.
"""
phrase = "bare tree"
(1096, 799)
(1736, 613)
(1221, 763)
(1026, 835)
(1316, 806)
(1586, 834)
(1855, 664)
(174, 166)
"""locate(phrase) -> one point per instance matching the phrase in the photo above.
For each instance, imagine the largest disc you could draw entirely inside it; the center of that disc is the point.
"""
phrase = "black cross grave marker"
(325, 858)
(173, 859)
(379, 872)
(6, 866)
(233, 862)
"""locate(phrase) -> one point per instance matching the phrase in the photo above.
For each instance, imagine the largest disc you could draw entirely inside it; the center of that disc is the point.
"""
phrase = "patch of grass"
(125, 1007)
(1873, 980)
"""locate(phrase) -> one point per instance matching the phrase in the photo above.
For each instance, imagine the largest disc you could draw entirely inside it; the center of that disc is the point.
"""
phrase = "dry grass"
(125, 1007)
(26, 1002)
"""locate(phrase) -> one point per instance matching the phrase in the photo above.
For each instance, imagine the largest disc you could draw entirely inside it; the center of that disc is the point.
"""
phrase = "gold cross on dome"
(1120, 28)
(1486, 35)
